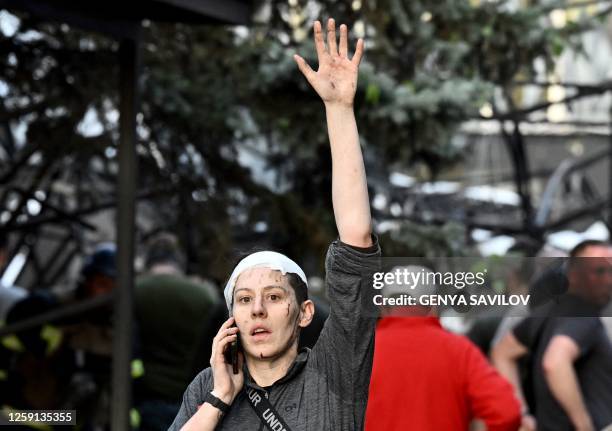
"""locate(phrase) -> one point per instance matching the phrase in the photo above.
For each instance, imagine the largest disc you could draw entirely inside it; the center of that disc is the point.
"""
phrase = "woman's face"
(266, 312)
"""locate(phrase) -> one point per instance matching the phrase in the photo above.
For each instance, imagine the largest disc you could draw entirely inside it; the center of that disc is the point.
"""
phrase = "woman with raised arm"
(274, 386)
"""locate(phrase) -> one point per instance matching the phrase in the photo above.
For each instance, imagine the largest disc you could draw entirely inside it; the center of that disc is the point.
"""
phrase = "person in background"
(426, 378)
(177, 319)
(570, 350)
(89, 337)
(517, 271)
(33, 364)
(39, 366)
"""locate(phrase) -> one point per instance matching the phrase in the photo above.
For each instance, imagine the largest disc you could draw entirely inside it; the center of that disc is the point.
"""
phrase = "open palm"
(336, 79)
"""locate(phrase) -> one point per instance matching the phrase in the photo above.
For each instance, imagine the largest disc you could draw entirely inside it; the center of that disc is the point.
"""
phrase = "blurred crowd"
(546, 366)
(533, 368)
(66, 363)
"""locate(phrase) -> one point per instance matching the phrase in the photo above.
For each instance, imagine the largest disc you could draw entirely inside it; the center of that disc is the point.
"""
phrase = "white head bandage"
(261, 259)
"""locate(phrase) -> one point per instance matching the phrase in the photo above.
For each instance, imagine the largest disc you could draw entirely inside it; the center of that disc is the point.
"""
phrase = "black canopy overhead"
(121, 19)
(187, 11)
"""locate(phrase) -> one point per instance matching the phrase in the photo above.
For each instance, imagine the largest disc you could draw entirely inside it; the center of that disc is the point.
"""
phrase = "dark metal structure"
(122, 20)
(570, 197)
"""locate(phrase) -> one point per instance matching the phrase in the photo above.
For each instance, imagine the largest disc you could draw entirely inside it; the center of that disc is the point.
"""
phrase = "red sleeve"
(491, 398)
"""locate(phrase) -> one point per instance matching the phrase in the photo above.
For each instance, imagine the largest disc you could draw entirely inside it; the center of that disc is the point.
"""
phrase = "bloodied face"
(267, 313)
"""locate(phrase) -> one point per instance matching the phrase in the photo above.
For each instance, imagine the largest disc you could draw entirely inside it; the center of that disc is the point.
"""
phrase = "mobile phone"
(231, 353)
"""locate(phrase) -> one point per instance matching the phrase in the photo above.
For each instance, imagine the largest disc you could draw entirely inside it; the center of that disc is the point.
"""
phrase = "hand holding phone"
(226, 362)
(231, 352)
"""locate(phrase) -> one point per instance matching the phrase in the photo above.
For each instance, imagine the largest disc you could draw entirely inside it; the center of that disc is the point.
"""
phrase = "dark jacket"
(326, 388)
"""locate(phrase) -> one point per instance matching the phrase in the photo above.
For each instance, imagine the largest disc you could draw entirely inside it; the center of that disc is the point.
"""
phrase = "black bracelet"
(216, 402)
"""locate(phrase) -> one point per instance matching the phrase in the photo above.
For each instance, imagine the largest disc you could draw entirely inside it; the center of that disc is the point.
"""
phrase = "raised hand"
(336, 79)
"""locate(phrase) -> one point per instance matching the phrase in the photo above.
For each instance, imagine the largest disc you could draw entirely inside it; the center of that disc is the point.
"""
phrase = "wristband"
(216, 402)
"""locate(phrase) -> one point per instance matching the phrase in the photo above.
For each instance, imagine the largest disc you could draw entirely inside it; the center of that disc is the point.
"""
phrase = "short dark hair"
(583, 245)
(164, 248)
(299, 287)
(574, 255)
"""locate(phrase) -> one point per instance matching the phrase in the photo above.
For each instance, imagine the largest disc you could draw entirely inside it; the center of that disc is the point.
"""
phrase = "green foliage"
(414, 240)
(211, 95)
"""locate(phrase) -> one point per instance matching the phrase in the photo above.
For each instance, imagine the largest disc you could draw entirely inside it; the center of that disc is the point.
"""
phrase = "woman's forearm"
(349, 187)
(206, 419)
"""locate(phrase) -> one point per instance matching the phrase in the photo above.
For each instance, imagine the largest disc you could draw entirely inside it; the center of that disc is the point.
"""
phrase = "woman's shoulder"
(203, 382)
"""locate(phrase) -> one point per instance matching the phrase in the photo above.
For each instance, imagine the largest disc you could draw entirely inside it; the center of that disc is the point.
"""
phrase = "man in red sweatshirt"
(425, 378)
